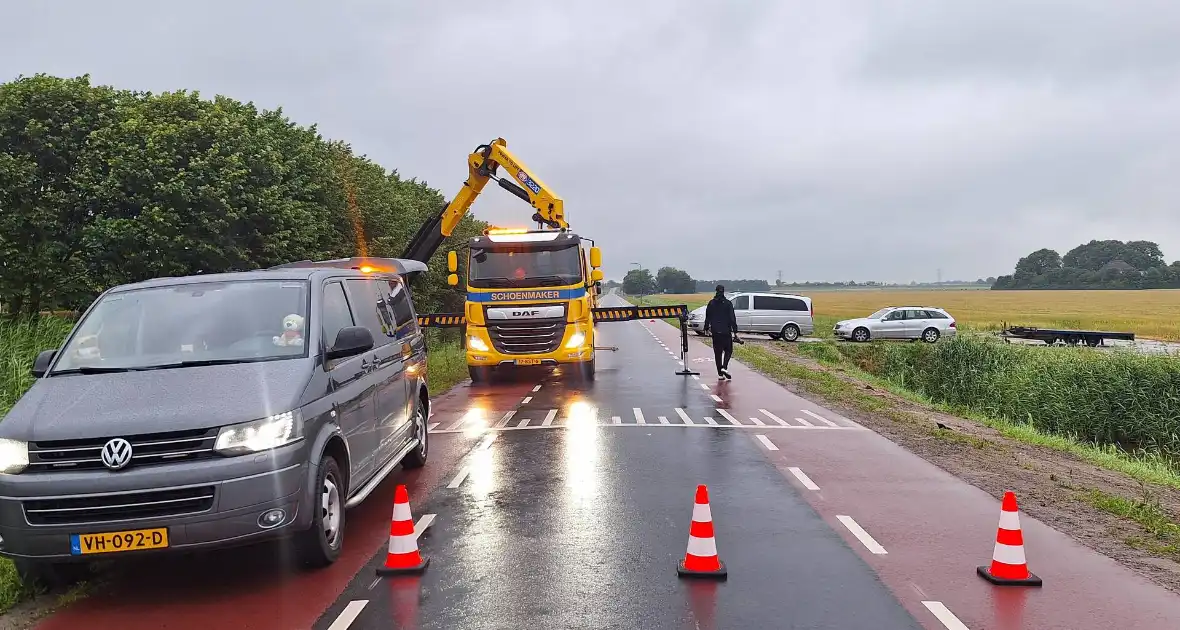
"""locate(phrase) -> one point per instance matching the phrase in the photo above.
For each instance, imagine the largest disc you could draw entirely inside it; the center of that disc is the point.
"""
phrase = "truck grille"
(148, 449)
(533, 336)
(105, 508)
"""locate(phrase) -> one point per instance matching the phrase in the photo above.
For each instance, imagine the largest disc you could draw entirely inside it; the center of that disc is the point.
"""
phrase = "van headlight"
(477, 344)
(14, 456)
(260, 435)
(576, 341)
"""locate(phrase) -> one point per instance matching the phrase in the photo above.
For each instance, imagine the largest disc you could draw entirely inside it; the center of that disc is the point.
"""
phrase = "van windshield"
(200, 323)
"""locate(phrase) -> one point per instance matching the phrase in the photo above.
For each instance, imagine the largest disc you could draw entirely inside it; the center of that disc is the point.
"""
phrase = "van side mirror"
(41, 363)
(452, 262)
(595, 257)
(350, 342)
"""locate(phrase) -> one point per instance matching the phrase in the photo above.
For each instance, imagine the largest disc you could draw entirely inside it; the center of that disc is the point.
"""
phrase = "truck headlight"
(576, 341)
(260, 435)
(477, 344)
(14, 456)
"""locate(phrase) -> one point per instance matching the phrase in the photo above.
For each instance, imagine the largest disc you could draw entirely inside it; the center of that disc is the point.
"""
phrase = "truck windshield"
(191, 324)
(524, 265)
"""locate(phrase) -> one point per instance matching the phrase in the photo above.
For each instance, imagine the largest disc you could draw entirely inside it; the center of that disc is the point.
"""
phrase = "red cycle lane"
(259, 587)
(935, 528)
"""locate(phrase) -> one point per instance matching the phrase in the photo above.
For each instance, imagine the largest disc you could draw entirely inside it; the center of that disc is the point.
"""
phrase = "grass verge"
(1163, 533)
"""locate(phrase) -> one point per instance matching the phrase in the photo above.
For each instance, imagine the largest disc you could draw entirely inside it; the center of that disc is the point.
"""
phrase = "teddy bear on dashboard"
(292, 331)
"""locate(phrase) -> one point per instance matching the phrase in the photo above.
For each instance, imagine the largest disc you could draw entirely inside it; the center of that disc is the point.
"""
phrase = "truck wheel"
(479, 374)
(586, 370)
(790, 333)
(417, 457)
(930, 335)
(860, 335)
(35, 574)
(319, 545)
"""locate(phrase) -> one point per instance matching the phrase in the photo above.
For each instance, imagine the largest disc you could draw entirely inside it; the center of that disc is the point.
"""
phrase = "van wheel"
(930, 335)
(37, 574)
(700, 333)
(479, 374)
(790, 333)
(319, 545)
(860, 335)
(417, 457)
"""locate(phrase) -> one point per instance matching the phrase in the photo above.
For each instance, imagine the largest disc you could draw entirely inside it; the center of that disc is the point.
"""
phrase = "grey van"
(214, 410)
(779, 315)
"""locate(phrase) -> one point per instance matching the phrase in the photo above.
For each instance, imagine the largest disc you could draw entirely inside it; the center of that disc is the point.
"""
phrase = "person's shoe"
(725, 373)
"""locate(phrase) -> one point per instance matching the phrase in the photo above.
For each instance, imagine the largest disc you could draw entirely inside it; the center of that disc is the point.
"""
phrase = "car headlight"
(576, 340)
(260, 435)
(477, 344)
(14, 456)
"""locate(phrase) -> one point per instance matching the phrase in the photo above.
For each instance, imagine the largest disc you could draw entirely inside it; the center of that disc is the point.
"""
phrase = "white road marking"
(504, 421)
(458, 423)
(732, 420)
(424, 521)
(349, 614)
(757, 421)
(664, 420)
(616, 420)
(458, 480)
(549, 418)
(821, 418)
(638, 415)
(766, 442)
(487, 442)
(537, 388)
(433, 426)
(862, 535)
(716, 397)
(696, 377)
(803, 478)
(774, 417)
(524, 423)
(704, 386)
(711, 421)
(527, 400)
(684, 416)
(943, 614)
(804, 422)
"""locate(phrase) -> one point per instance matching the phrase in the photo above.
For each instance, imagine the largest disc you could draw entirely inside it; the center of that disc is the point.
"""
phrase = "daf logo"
(525, 313)
(116, 454)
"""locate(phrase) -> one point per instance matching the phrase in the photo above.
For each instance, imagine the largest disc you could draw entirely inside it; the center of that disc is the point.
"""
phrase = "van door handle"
(366, 365)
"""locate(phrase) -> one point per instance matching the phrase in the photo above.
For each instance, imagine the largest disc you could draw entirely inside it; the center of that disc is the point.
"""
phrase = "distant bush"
(1121, 397)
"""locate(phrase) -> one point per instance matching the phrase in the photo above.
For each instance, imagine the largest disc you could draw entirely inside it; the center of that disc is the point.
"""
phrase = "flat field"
(1151, 314)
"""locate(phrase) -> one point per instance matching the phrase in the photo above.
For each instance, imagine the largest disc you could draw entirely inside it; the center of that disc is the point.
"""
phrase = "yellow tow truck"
(532, 294)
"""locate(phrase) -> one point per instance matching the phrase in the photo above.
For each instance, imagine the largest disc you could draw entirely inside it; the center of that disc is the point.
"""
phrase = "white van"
(779, 315)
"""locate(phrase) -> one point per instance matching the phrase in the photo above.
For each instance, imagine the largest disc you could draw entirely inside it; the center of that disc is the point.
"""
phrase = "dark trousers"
(722, 350)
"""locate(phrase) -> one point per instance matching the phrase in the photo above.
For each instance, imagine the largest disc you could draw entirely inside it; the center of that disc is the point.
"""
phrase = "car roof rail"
(367, 264)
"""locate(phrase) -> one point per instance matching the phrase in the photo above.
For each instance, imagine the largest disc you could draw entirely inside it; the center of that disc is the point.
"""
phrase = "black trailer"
(1071, 337)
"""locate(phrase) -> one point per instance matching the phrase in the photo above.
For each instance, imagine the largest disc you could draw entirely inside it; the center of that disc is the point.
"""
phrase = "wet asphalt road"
(579, 525)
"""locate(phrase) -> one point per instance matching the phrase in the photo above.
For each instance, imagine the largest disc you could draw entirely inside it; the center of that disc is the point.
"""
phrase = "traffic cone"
(1009, 567)
(701, 558)
(403, 556)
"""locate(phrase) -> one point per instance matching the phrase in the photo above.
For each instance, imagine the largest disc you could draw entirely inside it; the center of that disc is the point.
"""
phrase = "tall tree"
(1039, 262)
(639, 282)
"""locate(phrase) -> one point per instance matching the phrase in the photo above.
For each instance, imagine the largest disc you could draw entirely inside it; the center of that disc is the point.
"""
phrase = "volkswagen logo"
(116, 454)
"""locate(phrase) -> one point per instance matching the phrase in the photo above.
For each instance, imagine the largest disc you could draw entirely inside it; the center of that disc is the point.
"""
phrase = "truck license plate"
(113, 542)
(528, 362)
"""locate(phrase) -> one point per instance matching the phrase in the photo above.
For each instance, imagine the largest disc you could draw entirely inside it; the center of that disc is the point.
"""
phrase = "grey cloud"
(834, 141)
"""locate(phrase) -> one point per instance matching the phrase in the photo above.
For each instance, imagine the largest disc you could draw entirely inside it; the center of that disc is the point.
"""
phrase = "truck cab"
(530, 295)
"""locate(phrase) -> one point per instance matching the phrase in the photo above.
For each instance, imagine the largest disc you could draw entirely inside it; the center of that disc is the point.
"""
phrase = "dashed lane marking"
(639, 416)
(523, 423)
(616, 420)
(663, 420)
(716, 397)
(757, 422)
(804, 422)
(507, 416)
(820, 418)
(766, 442)
(711, 421)
(696, 377)
(865, 539)
(487, 441)
(433, 426)
(537, 389)
(512, 420)
(458, 480)
(943, 614)
(684, 416)
(527, 400)
(705, 386)
(803, 478)
(424, 522)
(774, 417)
(549, 418)
(732, 420)
(349, 614)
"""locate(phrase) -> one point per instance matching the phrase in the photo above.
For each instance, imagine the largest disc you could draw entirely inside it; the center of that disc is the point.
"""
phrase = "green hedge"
(1121, 397)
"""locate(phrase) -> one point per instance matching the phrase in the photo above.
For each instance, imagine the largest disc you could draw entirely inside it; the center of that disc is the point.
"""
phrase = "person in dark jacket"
(721, 321)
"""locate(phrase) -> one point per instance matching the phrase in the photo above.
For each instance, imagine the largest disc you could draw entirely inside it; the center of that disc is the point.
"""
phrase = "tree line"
(1106, 264)
(102, 186)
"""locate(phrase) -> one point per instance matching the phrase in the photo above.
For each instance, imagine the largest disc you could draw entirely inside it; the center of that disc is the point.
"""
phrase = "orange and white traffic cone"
(1009, 568)
(701, 558)
(403, 556)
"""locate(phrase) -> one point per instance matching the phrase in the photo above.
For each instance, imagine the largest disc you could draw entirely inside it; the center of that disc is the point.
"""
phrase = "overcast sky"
(830, 140)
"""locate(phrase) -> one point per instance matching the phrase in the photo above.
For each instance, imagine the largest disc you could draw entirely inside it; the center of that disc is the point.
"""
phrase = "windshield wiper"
(93, 369)
(203, 362)
(553, 278)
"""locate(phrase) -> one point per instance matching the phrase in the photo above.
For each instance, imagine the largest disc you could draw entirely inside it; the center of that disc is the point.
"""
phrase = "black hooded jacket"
(719, 316)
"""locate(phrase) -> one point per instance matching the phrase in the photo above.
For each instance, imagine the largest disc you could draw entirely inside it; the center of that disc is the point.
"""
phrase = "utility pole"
(780, 277)
(939, 275)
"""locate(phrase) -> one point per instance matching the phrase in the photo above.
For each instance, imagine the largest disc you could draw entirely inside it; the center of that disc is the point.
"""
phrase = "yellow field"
(1148, 314)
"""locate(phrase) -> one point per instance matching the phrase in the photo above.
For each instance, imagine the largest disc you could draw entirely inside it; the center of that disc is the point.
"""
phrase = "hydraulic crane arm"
(482, 165)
